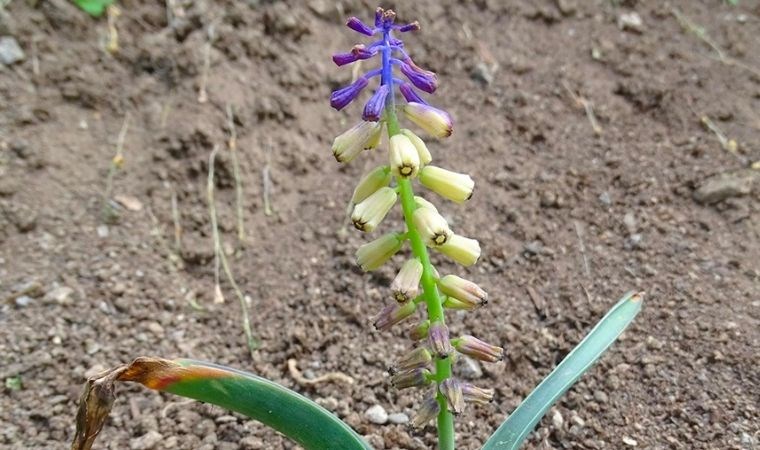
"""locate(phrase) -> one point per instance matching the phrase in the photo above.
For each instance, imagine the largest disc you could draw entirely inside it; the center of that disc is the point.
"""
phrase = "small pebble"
(470, 369)
(10, 51)
(629, 441)
(601, 397)
(23, 301)
(398, 418)
(60, 295)
(102, 231)
(376, 414)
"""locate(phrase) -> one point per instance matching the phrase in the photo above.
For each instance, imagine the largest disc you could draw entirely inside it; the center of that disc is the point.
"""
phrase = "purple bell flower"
(359, 26)
(373, 110)
(410, 94)
(340, 98)
(421, 79)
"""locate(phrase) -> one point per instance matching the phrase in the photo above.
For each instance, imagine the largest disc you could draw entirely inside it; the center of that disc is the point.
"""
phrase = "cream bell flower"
(405, 161)
(432, 227)
(359, 137)
(422, 203)
(371, 211)
(454, 186)
(372, 255)
(372, 181)
(463, 290)
(406, 284)
(434, 121)
(463, 250)
(419, 144)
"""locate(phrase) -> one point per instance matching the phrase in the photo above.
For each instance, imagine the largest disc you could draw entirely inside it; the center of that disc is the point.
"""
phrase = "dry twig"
(219, 256)
(117, 162)
(587, 106)
(232, 144)
(330, 376)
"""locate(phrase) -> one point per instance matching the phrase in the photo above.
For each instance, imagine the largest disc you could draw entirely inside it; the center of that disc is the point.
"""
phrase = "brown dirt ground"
(550, 193)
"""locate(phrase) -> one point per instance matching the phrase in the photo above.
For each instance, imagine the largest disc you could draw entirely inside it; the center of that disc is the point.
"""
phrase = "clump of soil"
(571, 213)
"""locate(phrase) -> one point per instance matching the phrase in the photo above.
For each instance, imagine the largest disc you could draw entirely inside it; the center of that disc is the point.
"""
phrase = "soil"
(569, 219)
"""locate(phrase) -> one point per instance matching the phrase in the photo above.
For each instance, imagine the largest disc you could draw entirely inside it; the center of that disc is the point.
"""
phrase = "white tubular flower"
(374, 139)
(463, 250)
(422, 203)
(432, 227)
(435, 122)
(405, 161)
(372, 181)
(463, 290)
(454, 186)
(419, 144)
(371, 211)
(372, 255)
(406, 284)
(349, 144)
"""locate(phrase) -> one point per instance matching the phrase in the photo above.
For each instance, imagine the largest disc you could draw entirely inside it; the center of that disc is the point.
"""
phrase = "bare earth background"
(568, 220)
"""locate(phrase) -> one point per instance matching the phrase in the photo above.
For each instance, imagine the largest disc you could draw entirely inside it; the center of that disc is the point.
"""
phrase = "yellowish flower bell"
(371, 211)
(406, 284)
(432, 227)
(434, 121)
(349, 144)
(372, 181)
(419, 144)
(454, 186)
(405, 161)
(373, 255)
(463, 250)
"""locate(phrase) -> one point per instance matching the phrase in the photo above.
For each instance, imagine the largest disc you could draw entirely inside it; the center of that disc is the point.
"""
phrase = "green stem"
(430, 292)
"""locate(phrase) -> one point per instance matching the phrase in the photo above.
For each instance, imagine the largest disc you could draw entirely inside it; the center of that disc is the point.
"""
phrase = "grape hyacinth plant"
(417, 286)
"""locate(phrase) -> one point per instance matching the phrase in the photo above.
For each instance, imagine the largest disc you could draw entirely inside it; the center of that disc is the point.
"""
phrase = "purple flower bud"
(411, 378)
(428, 411)
(420, 332)
(475, 348)
(451, 388)
(474, 394)
(393, 314)
(438, 338)
(341, 59)
(374, 107)
(410, 94)
(414, 26)
(418, 358)
(379, 16)
(362, 52)
(345, 95)
(422, 79)
(359, 26)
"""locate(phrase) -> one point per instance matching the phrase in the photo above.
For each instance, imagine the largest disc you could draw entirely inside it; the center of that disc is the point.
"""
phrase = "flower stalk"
(416, 287)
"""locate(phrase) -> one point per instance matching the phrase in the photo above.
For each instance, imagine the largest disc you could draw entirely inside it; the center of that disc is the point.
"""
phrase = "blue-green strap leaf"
(511, 434)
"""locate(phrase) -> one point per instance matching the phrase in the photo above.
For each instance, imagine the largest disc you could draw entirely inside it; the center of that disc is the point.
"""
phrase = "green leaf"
(94, 8)
(288, 412)
(511, 434)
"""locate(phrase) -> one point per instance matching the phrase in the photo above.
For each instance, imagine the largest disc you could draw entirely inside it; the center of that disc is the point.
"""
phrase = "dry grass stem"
(210, 34)
(220, 257)
(232, 145)
(330, 376)
(587, 106)
(117, 162)
(267, 182)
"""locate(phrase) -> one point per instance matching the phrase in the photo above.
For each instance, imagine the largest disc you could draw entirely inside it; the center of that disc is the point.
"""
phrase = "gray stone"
(470, 369)
(630, 21)
(23, 301)
(147, 441)
(726, 185)
(10, 51)
(398, 418)
(60, 295)
(376, 414)
(482, 74)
